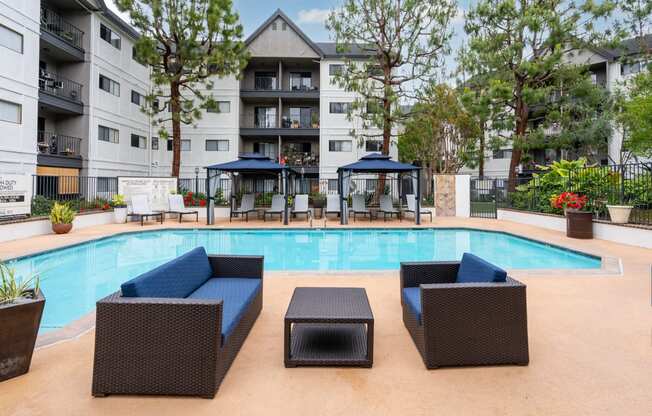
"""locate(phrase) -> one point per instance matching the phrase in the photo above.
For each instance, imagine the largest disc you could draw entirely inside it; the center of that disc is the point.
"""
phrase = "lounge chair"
(246, 206)
(301, 205)
(412, 206)
(387, 208)
(140, 209)
(360, 207)
(464, 313)
(333, 204)
(278, 207)
(175, 330)
(176, 206)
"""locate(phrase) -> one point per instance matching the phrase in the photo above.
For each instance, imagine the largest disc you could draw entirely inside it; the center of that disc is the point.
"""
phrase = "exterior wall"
(19, 84)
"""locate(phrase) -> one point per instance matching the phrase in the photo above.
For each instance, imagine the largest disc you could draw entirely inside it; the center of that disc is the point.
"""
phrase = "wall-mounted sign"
(14, 195)
(156, 189)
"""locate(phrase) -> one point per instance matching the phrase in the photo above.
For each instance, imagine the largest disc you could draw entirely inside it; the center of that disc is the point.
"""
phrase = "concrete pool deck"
(590, 348)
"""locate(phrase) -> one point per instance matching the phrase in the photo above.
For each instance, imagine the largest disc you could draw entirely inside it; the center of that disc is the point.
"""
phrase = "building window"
(217, 145)
(332, 185)
(11, 112)
(339, 108)
(11, 39)
(154, 143)
(138, 141)
(340, 145)
(109, 85)
(136, 97)
(265, 117)
(107, 134)
(373, 146)
(502, 154)
(265, 80)
(221, 107)
(110, 36)
(300, 81)
(335, 69)
(185, 145)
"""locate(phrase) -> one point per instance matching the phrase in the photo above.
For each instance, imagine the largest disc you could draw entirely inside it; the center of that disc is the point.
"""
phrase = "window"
(217, 145)
(185, 145)
(138, 141)
(300, 81)
(109, 36)
(340, 145)
(502, 154)
(11, 39)
(109, 85)
(339, 108)
(154, 143)
(107, 134)
(265, 80)
(11, 112)
(222, 107)
(335, 69)
(136, 97)
(373, 146)
(332, 185)
(265, 117)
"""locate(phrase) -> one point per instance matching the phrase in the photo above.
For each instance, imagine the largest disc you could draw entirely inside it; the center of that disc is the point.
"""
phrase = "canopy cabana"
(254, 165)
(378, 164)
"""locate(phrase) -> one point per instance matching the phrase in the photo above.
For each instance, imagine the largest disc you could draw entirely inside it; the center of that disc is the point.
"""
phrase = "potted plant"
(579, 223)
(21, 308)
(314, 119)
(119, 208)
(61, 218)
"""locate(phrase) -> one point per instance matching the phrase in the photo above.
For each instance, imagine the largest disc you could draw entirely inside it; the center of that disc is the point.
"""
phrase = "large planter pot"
(61, 228)
(579, 224)
(19, 322)
(120, 215)
(619, 214)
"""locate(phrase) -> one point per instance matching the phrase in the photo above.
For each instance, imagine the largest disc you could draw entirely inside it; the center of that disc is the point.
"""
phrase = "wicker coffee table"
(329, 327)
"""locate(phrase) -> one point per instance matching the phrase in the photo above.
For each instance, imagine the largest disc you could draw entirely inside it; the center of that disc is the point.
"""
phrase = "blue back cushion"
(473, 269)
(412, 298)
(175, 279)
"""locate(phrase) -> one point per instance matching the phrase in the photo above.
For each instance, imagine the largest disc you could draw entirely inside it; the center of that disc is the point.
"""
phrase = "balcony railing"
(57, 25)
(55, 84)
(50, 143)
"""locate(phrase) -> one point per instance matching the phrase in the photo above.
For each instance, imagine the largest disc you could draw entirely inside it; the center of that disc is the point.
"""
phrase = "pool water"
(74, 278)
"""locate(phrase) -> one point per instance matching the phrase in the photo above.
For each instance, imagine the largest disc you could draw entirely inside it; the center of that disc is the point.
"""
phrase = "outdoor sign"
(14, 195)
(156, 189)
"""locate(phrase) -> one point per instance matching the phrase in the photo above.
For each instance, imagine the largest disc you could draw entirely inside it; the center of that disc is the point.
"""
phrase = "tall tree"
(187, 43)
(407, 40)
(524, 44)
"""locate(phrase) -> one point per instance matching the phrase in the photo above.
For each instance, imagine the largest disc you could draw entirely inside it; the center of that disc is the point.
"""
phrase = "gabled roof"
(279, 14)
(377, 163)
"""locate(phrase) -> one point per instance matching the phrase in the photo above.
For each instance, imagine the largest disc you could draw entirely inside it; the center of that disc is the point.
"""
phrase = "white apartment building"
(72, 91)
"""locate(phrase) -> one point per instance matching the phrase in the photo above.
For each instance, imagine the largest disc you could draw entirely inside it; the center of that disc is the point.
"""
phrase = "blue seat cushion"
(473, 269)
(237, 294)
(412, 297)
(175, 279)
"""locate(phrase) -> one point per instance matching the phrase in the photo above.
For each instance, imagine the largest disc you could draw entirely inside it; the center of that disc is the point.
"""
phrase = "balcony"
(60, 39)
(60, 95)
(58, 150)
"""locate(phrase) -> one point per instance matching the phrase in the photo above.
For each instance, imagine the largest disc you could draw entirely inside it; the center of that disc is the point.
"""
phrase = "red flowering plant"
(568, 201)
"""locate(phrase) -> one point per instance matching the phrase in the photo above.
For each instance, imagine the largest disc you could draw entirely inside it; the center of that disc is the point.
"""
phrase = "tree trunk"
(521, 115)
(176, 128)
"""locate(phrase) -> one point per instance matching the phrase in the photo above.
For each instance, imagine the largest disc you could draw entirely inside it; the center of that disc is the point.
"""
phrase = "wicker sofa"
(176, 329)
(464, 313)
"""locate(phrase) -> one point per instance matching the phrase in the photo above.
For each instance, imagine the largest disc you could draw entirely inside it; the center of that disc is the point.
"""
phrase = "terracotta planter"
(61, 228)
(19, 322)
(619, 214)
(579, 224)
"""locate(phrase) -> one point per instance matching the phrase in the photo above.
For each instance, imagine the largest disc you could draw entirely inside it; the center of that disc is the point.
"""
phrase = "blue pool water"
(74, 278)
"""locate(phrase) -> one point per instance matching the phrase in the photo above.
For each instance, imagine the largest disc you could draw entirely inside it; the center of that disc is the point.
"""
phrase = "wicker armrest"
(236, 266)
(414, 274)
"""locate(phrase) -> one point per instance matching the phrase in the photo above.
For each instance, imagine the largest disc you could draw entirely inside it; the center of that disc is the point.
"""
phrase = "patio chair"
(278, 207)
(246, 206)
(464, 313)
(387, 208)
(140, 209)
(412, 206)
(176, 206)
(360, 206)
(176, 330)
(301, 205)
(333, 204)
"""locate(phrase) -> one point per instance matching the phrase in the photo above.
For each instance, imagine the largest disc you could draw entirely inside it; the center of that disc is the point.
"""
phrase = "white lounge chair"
(387, 208)
(360, 207)
(278, 207)
(412, 206)
(246, 206)
(140, 208)
(301, 205)
(176, 206)
(333, 204)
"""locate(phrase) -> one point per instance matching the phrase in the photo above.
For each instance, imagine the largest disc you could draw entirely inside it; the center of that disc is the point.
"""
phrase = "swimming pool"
(74, 278)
